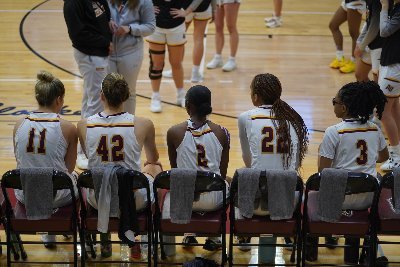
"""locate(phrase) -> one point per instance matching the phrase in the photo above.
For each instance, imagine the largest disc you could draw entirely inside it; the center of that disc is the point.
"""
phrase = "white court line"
(266, 12)
(79, 80)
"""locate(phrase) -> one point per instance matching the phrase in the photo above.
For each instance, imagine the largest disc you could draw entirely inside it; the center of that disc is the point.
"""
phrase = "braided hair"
(115, 89)
(360, 99)
(268, 87)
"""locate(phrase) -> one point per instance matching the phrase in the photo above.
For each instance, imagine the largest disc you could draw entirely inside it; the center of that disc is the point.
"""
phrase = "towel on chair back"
(105, 184)
(281, 193)
(396, 190)
(331, 195)
(182, 185)
(37, 184)
(248, 184)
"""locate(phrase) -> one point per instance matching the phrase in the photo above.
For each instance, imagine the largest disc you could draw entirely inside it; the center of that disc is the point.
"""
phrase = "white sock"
(278, 18)
(179, 90)
(339, 54)
(231, 58)
(155, 94)
(396, 150)
(195, 68)
(218, 56)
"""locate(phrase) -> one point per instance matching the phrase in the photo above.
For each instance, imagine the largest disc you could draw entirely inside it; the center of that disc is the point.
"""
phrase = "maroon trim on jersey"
(199, 134)
(112, 115)
(42, 120)
(121, 125)
(357, 130)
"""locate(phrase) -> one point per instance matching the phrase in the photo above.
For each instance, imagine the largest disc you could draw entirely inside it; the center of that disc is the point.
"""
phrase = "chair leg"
(75, 243)
(155, 250)
(149, 242)
(298, 247)
(303, 254)
(163, 256)
(24, 256)
(83, 248)
(230, 255)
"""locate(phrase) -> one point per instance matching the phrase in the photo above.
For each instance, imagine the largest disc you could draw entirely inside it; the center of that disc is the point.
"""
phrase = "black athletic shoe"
(189, 240)
(331, 241)
(288, 241)
(212, 245)
(242, 240)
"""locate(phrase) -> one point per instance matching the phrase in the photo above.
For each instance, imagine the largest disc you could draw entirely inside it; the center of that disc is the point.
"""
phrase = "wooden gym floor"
(34, 37)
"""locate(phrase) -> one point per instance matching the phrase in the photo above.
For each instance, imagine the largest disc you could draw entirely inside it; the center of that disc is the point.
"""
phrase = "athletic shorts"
(223, 2)
(358, 5)
(173, 37)
(389, 80)
(372, 57)
(205, 15)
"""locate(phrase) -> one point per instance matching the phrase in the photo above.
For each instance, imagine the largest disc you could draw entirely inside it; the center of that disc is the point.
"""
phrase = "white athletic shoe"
(167, 73)
(196, 77)
(269, 19)
(274, 22)
(216, 62)
(155, 104)
(230, 65)
(392, 162)
(180, 98)
(82, 161)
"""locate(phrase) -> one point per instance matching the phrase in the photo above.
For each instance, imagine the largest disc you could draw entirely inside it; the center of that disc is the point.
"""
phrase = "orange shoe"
(338, 63)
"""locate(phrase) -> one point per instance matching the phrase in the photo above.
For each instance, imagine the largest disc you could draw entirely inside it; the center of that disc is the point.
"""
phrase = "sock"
(195, 68)
(339, 54)
(179, 90)
(155, 95)
(396, 150)
(278, 18)
(217, 56)
(231, 58)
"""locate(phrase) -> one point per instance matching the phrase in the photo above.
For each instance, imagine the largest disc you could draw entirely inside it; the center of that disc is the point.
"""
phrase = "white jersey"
(112, 139)
(200, 149)
(259, 138)
(39, 142)
(353, 146)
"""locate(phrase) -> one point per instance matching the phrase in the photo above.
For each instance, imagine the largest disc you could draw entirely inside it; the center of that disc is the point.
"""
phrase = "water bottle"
(266, 254)
(125, 252)
(144, 246)
(169, 250)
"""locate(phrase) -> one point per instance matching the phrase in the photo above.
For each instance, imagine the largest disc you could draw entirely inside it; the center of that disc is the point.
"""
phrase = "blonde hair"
(115, 89)
(48, 88)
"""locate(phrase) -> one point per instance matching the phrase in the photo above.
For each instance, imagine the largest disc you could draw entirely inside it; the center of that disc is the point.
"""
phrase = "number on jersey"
(201, 156)
(117, 153)
(363, 158)
(267, 145)
(30, 148)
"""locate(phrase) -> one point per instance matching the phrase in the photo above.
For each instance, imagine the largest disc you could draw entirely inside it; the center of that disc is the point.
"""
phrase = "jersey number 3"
(201, 156)
(117, 153)
(363, 158)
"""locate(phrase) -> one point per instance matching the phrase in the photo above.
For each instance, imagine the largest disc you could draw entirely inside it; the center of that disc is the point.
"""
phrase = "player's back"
(112, 139)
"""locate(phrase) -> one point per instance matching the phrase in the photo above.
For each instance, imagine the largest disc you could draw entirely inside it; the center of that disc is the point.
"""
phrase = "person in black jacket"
(88, 28)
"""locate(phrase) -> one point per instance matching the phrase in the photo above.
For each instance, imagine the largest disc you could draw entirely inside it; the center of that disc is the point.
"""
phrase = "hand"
(113, 26)
(357, 52)
(156, 10)
(110, 48)
(154, 163)
(385, 4)
(122, 30)
(178, 13)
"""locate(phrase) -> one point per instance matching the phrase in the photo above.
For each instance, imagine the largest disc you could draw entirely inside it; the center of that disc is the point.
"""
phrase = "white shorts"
(223, 2)
(389, 80)
(205, 15)
(173, 37)
(372, 57)
(358, 5)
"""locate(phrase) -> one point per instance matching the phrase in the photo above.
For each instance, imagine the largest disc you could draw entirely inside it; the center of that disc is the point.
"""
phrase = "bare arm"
(244, 142)
(383, 155)
(71, 136)
(223, 166)
(171, 148)
(324, 163)
(149, 144)
(82, 134)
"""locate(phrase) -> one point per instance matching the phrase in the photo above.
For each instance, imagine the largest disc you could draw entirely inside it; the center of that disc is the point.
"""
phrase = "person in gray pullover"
(131, 20)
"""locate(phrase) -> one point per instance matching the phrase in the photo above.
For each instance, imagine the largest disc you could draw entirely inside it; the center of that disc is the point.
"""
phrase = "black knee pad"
(155, 74)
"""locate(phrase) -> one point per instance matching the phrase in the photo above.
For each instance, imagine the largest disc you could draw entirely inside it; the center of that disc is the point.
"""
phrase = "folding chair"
(211, 224)
(389, 221)
(353, 223)
(62, 222)
(89, 215)
(259, 225)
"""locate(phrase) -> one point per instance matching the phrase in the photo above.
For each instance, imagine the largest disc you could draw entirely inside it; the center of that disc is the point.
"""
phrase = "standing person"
(355, 144)
(272, 135)
(389, 79)
(200, 16)
(43, 139)
(276, 19)
(227, 10)
(350, 10)
(369, 44)
(88, 28)
(130, 21)
(170, 33)
(199, 144)
(116, 136)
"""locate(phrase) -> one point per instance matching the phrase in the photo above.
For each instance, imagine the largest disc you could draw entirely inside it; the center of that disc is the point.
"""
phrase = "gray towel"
(396, 190)
(182, 187)
(37, 184)
(281, 193)
(248, 184)
(331, 195)
(105, 183)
